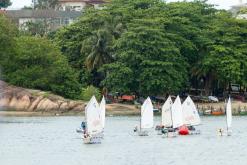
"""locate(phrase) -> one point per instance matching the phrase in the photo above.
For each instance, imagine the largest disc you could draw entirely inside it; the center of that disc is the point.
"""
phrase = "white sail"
(102, 112)
(166, 116)
(177, 116)
(147, 114)
(229, 114)
(190, 113)
(93, 117)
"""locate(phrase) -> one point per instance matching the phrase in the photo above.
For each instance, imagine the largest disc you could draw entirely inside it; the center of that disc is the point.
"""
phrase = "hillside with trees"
(142, 47)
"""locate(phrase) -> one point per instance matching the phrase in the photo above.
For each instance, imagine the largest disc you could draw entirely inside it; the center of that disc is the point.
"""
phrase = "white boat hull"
(169, 135)
(229, 132)
(93, 139)
(195, 132)
(79, 130)
(142, 133)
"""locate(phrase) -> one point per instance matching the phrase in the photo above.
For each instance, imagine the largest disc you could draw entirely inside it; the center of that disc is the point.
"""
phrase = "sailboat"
(102, 117)
(229, 117)
(166, 116)
(146, 120)
(175, 115)
(93, 133)
(191, 116)
(102, 114)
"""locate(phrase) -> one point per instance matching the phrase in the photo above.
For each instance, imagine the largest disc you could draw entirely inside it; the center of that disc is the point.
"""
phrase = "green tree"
(4, 3)
(98, 48)
(46, 4)
(8, 32)
(39, 64)
(90, 91)
(160, 47)
(35, 28)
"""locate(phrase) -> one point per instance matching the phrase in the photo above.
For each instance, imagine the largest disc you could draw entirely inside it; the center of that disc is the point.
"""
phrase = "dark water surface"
(53, 141)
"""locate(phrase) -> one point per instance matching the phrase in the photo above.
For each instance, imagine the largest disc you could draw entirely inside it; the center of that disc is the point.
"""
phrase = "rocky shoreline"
(17, 101)
(21, 99)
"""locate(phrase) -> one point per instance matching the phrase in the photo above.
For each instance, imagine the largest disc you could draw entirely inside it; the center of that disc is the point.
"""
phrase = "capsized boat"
(146, 120)
(191, 117)
(229, 117)
(93, 132)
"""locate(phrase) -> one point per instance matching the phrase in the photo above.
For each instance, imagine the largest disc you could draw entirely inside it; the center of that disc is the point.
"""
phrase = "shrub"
(88, 92)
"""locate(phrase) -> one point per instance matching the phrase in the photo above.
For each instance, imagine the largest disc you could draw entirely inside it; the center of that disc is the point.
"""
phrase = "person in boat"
(83, 125)
(170, 129)
(135, 129)
(191, 128)
(220, 131)
(164, 131)
(159, 127)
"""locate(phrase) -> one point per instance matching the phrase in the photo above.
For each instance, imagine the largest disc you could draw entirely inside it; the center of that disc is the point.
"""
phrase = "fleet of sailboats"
(174, 116)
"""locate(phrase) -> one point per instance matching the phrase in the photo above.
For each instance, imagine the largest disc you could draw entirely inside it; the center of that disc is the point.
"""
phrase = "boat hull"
(93, 139)
(79, 130)
(169, 135)
(143, 133)
(217, 113)
(195, 132)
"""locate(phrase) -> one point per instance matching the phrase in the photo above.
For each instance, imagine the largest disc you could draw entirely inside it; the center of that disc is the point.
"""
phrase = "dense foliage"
(149, 47)
(90, 91)
(145, 47)
(4, 3)
(35, 62)
(46, 4)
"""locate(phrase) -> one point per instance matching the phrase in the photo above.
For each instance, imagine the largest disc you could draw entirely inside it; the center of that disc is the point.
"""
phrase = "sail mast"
(171, 115)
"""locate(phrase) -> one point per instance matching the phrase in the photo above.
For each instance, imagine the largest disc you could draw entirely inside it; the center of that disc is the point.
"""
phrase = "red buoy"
(183, 130)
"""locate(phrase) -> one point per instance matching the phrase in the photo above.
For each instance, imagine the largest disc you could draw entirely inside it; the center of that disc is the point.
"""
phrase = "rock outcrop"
(21, 99)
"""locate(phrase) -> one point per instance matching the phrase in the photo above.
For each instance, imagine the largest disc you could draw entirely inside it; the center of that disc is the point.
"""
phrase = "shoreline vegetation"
(117, 109)
(17, 101)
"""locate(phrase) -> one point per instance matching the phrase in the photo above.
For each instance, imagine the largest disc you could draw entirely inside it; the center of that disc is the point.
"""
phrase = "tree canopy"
(146, 47)
(150, 47)
(46, 4)
(4, 3)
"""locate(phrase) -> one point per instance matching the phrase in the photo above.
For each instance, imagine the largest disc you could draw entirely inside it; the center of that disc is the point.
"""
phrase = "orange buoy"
(183, 130)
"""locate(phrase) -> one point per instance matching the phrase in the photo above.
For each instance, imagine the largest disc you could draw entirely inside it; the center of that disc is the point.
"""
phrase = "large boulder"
(21, 99)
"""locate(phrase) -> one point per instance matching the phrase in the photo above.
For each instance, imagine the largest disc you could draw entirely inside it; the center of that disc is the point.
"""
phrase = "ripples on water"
(53, 141)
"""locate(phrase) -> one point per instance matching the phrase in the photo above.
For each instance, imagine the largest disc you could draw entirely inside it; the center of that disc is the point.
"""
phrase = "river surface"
(53, 141)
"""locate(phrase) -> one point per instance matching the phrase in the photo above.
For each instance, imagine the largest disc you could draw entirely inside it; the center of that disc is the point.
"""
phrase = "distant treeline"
(144, 47)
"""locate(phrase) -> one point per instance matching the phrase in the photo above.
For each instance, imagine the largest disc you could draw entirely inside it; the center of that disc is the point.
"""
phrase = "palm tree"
(98, 46)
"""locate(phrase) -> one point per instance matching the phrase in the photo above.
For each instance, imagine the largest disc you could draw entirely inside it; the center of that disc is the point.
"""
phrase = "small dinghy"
(79, 130)
(166, 117)
(228, 120)
(191, 118)
(94, 128)
(176, 119)
(146, 120)
(229, 117)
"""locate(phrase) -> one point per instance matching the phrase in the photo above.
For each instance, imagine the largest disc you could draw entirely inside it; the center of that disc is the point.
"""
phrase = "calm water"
(53, 141)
